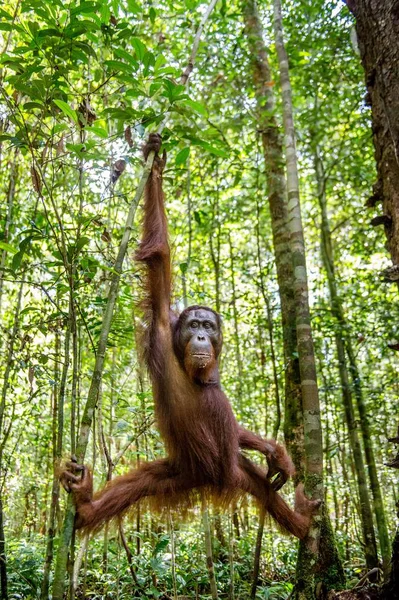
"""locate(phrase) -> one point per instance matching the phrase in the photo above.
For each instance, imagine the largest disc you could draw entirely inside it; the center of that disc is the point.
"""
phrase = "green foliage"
(81, 84)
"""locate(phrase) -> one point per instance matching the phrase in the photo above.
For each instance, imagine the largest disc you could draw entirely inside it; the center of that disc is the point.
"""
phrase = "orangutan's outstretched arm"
(278, 461)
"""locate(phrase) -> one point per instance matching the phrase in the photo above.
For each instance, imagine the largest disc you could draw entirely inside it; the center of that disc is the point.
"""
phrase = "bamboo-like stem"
(5, 431)
(208, 549)
(310, 396)
(88, 412)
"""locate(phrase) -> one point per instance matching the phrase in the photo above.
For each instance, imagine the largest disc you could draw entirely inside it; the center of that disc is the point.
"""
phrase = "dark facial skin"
(200, 336)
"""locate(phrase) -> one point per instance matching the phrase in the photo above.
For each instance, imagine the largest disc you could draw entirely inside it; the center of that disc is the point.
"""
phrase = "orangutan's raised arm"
(154, 248)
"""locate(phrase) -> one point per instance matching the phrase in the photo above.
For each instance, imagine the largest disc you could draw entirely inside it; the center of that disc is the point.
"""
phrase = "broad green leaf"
(197, 107)
(139, 48)
(81, 242)
(8, 248)
(30, 105)
(128, 57)
(182, 156)
(159, 62)
(17, 259)
(117, 65)
(67, 110)
(102, 133)
(134, 6)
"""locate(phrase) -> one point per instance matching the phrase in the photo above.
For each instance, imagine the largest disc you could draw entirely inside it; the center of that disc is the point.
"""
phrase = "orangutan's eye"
(194, 324)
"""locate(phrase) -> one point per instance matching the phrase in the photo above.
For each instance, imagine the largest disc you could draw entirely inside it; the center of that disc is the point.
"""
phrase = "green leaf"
(148, 61)
(182, 156)
(67, 110)
(117, 65)
(161, 545)
(102, 133)
(196, 107)
(139, 48)
(8, 248)
(30, 105)
(133, 6)
(212, 149)
(183, 267)
(16, 261)
(84, 7)
(128, 57)
(160, 61)
(81, 242)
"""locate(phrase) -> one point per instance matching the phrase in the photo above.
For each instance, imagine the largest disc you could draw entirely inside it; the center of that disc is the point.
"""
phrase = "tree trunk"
(8, 219)
(275, 179)
(3, 561)
(58, 418)
(330, 565)
(318, 551)
(208, 549)
(237, 348)
(5, 431)
(345, 355)
(377, 27)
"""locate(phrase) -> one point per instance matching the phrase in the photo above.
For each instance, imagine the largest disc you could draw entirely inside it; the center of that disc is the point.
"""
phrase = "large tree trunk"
(377, 26)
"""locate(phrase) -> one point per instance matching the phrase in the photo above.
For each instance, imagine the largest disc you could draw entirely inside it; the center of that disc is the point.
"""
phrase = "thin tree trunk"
(379, 508)
(240, 377)
(129, 555)
(231, 559)
(391, 588)
(3, 557)
(276, 186)
(4, 434)
(270, 327)
(78, 563)
(190, 237)
(173, 554)
(55, 483)
(8, 219)
(215, 252)
(343, 343)
(309, 554)
(88, 412)
(208, 548)
(258, 552)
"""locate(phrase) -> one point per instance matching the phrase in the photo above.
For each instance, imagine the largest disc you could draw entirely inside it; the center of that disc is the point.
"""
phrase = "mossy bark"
(312, 554)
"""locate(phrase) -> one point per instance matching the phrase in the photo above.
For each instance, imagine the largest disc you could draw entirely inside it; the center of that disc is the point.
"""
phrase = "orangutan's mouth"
(196, 355)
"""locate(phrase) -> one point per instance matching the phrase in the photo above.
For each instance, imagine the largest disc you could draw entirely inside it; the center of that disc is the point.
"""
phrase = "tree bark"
(277, 198)
(318, 552)
(3, 558)
(5, 430)
(88, 411)
(377, 27)
(366, 517)
(329, 566)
